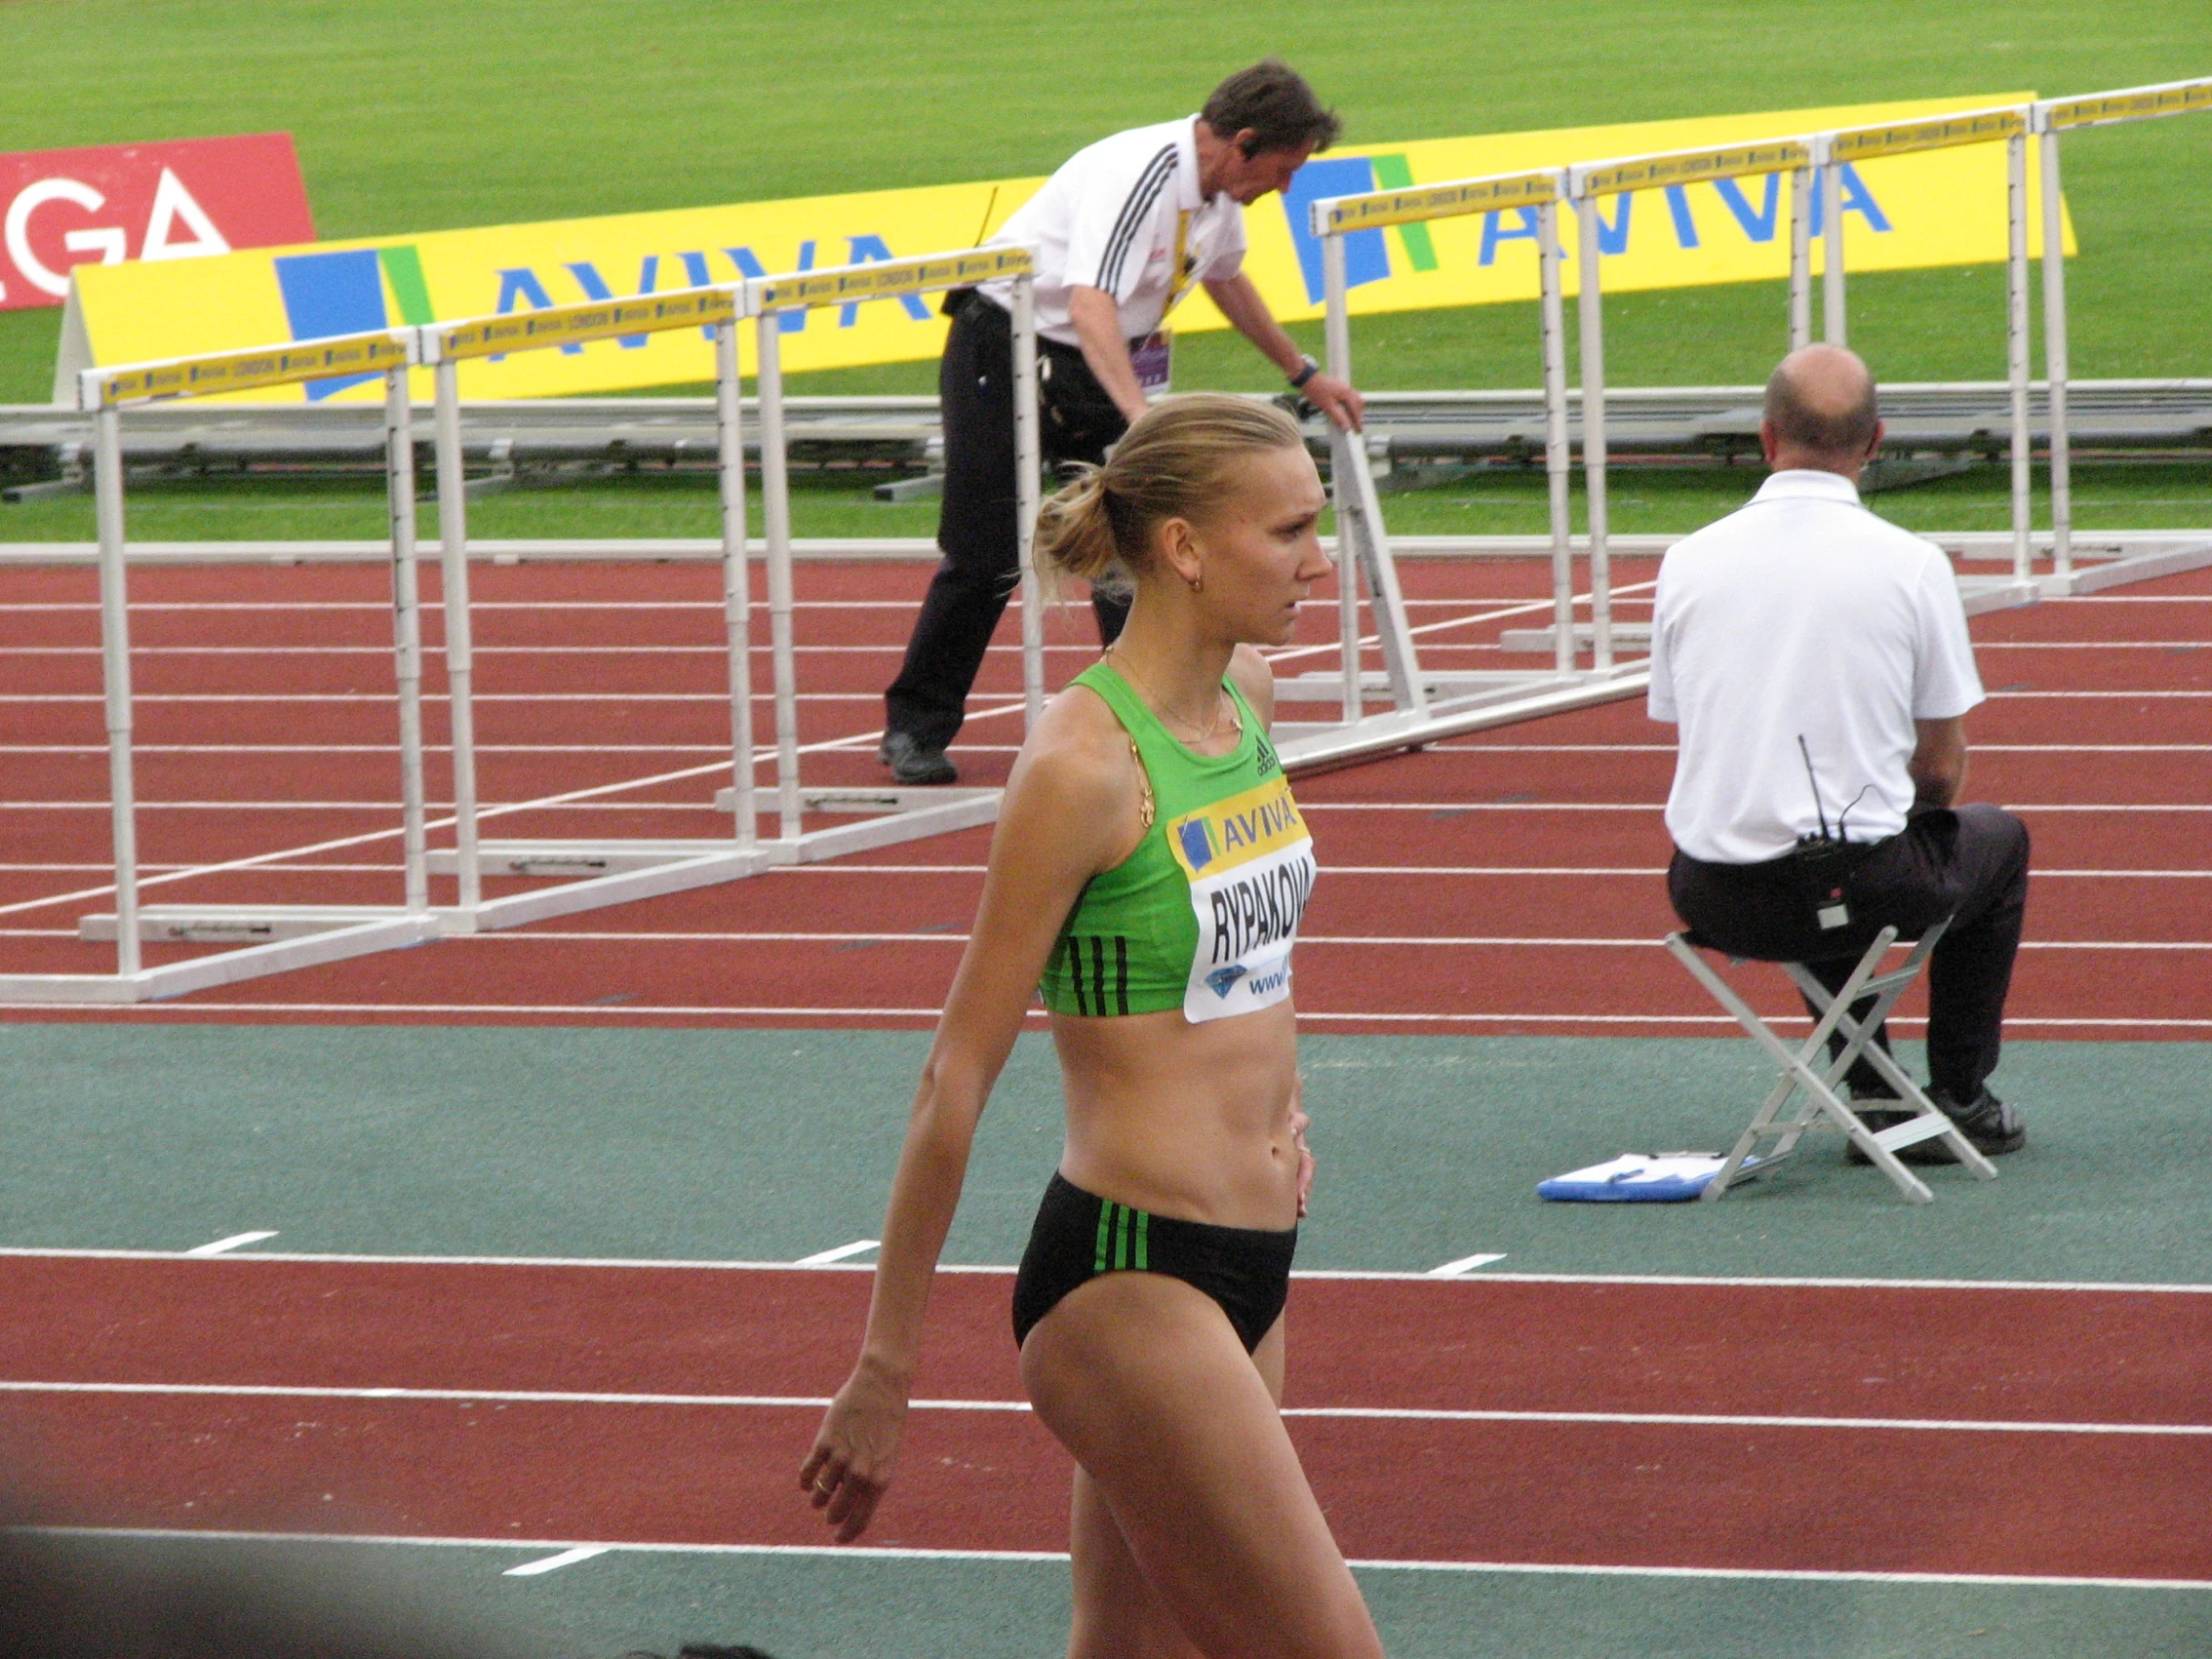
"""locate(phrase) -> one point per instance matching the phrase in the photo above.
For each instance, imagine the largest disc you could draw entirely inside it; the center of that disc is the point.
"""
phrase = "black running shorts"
(1079, 1236)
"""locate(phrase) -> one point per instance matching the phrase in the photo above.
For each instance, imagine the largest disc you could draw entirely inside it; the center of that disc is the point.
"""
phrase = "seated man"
(1816, 662)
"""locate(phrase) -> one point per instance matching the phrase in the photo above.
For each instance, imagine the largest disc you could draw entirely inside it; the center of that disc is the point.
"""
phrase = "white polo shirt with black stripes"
(1108, 220)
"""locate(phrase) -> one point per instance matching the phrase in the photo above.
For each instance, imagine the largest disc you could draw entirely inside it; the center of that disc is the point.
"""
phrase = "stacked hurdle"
(272, 938)
(1428, 706)
(603, 872)
(1427, 703)
(610, 871)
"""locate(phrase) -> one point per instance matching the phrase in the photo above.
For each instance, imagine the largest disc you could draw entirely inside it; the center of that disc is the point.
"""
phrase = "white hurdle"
(2008, 126)
(605, 870)
(888, 816)
(274, 937)
(614, 871)
(1586, 185)
(2047, 120)
(1427, 703)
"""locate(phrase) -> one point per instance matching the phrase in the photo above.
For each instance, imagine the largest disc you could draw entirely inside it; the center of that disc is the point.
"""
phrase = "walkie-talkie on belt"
(1825, 859)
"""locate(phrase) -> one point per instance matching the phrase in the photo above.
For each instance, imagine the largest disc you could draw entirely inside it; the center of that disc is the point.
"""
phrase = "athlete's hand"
(1299, 1121)
(850, 1464)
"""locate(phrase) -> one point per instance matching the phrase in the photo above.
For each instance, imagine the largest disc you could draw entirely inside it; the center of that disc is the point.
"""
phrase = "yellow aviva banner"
(1936, 207)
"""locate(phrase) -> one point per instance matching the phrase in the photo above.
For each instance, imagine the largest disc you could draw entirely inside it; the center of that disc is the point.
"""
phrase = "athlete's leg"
(1143, 1380)
(1116, 1614)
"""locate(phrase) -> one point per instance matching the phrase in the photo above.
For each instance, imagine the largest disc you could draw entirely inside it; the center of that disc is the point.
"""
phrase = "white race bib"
(1251, 867)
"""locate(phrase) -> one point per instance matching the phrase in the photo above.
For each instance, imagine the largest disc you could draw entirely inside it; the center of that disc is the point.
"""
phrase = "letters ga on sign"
(196, 197)
(1944, 208)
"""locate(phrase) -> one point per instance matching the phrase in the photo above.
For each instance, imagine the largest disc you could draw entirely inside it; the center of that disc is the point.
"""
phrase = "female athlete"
(1149, 870)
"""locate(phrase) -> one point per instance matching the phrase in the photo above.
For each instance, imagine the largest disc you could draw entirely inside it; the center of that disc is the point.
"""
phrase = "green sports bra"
(1203, 915)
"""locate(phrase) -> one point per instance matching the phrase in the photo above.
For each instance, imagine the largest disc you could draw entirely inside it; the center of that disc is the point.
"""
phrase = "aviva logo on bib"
(1237, 830)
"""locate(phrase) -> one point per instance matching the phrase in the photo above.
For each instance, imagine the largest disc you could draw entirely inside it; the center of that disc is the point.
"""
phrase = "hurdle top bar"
(1934, 132)
(645, 313)
(1375, 209)
(846, 285)
(266, 365)
(1687, 167)
(2102, 109)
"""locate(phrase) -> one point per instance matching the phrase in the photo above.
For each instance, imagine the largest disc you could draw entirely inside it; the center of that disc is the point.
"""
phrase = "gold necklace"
(1157, 705)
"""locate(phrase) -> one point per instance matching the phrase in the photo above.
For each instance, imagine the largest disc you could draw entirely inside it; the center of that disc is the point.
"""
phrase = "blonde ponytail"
(1177, 461)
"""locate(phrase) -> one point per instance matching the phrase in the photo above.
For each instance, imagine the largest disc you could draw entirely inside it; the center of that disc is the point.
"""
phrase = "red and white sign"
(63, 207)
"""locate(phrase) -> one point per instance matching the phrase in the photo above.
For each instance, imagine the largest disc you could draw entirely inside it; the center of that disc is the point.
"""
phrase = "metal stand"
(1805, 1097)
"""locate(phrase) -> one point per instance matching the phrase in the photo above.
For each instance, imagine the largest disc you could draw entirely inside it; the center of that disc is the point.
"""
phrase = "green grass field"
(414, 116)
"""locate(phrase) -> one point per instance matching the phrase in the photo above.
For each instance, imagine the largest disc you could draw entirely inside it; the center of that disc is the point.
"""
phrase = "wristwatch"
(1308, 369)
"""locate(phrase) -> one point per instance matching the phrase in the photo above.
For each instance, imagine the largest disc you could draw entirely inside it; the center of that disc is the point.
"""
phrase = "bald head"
(1820, 411)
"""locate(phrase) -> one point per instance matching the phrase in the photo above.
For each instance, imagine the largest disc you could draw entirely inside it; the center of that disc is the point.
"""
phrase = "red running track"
(1870, 1445)
(1503, 882)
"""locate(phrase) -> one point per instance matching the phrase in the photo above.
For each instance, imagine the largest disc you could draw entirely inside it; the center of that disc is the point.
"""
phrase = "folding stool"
(1805, 1097)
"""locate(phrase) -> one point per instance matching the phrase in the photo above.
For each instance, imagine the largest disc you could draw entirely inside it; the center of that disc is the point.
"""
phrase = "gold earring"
(1196, 584)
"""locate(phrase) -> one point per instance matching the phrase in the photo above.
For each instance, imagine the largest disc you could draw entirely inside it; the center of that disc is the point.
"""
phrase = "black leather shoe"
(913, 761)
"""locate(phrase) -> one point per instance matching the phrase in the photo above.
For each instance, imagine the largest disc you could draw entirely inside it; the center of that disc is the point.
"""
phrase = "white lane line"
(1436, 808)
(1652, 872)
(826, 746)
(2025, 696)
(1451, 747)
(280, 1258)
(1354, 1414)
(1447, 941)
(1465, 1264)
(859, 1015)
(554, 1563)
(823, 1258)
(1052, 1557)
(721, 699)
(716, 650)
(1456, 808)
(91, 750)
(2091, 645)
(237, 1241)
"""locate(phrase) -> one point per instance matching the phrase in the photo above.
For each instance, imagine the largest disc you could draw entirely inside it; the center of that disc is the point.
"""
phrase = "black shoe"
(1991, 1126)
(913, 761)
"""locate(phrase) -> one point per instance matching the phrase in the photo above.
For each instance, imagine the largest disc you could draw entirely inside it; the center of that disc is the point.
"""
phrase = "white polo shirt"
(1801, 614)
(1111, 219)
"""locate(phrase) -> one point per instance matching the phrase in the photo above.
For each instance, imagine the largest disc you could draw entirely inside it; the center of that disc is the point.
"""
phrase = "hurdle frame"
(614, 871)
(892, 815)
(1427, 705)
(2048, 120)
(272, 938)
(604, 870)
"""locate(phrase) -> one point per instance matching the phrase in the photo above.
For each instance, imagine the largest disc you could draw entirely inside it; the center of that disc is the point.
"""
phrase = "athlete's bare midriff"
(1184, 1120)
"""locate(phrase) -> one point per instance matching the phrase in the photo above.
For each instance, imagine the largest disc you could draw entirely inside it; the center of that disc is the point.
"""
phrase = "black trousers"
(978, 526)
(1970, 864)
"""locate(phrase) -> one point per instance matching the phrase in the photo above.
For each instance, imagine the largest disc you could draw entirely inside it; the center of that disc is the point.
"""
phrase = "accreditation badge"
(1154, 359)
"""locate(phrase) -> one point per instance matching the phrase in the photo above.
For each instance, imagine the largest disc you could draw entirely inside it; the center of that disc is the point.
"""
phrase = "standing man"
(1816, 661)
(1121, 231)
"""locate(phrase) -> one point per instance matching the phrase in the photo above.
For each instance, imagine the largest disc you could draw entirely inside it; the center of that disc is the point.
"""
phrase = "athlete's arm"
(1097, 322)
(1070, 810)
(1239, 302)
